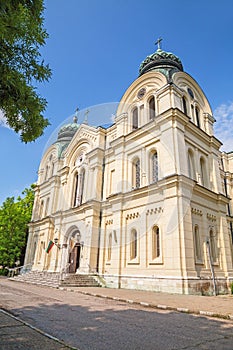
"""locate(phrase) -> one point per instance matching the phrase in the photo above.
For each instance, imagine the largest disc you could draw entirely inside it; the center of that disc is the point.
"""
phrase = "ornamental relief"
(196, 211)
(154, 211)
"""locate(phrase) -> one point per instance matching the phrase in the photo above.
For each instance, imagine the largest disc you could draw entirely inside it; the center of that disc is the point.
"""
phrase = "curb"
(38, 330)
(158, 306)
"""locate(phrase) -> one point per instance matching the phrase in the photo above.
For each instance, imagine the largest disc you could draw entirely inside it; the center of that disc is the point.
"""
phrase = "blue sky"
(95, 49)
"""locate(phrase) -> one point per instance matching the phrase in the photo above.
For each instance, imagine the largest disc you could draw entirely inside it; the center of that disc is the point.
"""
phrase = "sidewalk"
(17, 334)
(215, 306)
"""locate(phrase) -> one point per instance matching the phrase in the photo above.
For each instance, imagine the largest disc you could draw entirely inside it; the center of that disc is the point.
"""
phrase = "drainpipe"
(228, 205)
(101, 211)
(211, 267)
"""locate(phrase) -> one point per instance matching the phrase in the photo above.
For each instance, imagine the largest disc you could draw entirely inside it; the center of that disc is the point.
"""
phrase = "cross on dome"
(158, 43)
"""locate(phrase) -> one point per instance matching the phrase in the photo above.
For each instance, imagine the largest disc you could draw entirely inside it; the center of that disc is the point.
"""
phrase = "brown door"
(74, 258)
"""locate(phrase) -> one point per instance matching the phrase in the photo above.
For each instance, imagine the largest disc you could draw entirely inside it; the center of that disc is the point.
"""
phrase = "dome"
(67, 131)
(162, 61)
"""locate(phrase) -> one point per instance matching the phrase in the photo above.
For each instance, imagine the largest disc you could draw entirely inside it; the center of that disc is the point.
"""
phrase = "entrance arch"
(74, 252)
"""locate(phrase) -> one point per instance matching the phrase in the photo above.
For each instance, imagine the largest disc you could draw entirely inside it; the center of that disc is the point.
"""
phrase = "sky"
(95, 48)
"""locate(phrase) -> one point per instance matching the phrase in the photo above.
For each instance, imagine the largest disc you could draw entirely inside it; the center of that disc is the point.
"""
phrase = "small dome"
(67, 131)
(160, 60)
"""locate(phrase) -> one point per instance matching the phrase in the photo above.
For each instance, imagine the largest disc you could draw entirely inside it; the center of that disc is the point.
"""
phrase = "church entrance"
(74, 258)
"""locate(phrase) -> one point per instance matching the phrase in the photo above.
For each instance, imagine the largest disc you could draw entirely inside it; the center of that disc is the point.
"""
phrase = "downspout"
(228, 205)
(211, 267)
(101, 201)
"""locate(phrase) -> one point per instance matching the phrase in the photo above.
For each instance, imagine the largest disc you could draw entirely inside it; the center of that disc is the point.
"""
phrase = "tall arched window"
(203, 173)
(76, 190)
(46, 175)
(79, 187)
(110, 246)
(133, 245)
(155, 242)
(197, 117)
(152, 108)
(41, 209)
(191, 168)
(135, 118)
(213, 246)
(154, 167)
(136, 173)
(197, 243)
(47, 206)
(184, 102)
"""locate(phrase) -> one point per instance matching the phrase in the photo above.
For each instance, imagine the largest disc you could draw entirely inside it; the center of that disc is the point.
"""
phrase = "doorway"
(74, 258)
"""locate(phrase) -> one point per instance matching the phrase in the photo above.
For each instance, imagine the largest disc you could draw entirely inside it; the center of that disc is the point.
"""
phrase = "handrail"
(19, 270)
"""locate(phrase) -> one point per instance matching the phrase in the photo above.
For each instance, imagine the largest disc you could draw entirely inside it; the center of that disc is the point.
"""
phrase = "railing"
(19, 270)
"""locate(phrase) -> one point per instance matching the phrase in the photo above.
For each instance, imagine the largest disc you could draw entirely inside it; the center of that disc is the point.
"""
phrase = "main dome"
(67, 131)
(160, 60)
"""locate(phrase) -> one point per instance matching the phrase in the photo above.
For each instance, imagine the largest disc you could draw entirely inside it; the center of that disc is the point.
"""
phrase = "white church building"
(144, 203)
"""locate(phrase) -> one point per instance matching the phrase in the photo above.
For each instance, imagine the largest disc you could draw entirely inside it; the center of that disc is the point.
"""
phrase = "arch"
(41, 212)
(191, 166)
(79, 187)
(184, 103)
(197, 116)
(203, 172)
(135, 118)
(47, 206)
(155, 244)
(133, 244)
(151, 103)
(197, 243)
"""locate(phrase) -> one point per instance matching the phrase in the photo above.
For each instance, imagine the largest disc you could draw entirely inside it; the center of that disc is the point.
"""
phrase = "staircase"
(80, 280)
(44, 278)
(52, 279)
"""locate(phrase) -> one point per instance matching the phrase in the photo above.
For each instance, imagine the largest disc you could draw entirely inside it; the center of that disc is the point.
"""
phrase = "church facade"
(144, 203)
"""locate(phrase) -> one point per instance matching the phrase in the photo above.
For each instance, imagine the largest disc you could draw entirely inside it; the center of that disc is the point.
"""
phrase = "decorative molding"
(211, 217)
(197, 211)
(154, 211)
(109, 222)
(88, 136)
(132, 216)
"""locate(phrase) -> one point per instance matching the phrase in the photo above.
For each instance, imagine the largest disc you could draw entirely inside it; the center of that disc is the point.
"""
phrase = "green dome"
(160, 60)
(67, 131)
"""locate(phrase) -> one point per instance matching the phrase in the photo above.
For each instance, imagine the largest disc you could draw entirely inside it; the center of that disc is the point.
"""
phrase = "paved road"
(89, 323)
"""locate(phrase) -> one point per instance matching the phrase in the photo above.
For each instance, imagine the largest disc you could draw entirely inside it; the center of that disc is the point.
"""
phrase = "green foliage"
(21, 35)
(231, 288)
(14, 218)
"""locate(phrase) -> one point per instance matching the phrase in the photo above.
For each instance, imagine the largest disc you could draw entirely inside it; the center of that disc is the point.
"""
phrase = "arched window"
(197, 117)
(184, 102)
(152, 108)
(155, 242)
(154, 167)
(203, 173)
(46, 173)
(47, 207)
(191, 168)
(110, 246)
(79, 187)
(197, 243)
(41, 209)
(136, 173)
(76, 190)
(133, 244)
(213, 246)
(135, 118)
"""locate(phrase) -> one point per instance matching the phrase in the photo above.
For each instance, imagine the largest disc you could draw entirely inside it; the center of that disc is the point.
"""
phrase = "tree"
(14, 218)
(21, 66)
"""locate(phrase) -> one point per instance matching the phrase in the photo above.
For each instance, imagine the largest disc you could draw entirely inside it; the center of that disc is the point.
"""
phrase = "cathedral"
(144, 202)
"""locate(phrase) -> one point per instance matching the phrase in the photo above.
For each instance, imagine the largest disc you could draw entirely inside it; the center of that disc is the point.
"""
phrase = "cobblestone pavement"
(83, 321)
